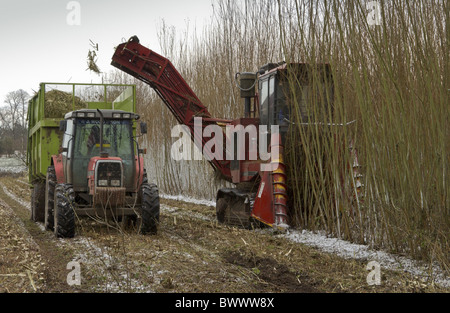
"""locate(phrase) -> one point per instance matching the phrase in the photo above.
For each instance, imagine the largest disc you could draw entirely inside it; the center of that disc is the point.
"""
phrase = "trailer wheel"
(50, 183)
(64, 211)
(38, 203)
(150, 209)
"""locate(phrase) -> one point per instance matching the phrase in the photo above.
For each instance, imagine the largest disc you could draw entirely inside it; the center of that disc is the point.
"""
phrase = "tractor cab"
(283, 87)
(95, 140)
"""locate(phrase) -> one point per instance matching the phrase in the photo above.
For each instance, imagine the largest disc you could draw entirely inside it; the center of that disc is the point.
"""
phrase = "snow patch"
(12, 165)
(25, 204)
(350, 250)
(101, 259)
(189, 199)
(180, 212)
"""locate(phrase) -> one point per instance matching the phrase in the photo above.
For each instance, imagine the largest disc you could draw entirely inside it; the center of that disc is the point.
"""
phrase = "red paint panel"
(263, 207)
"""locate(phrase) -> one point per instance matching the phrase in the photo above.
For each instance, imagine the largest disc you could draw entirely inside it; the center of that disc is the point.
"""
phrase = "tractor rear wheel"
(64, 211)
(50, 183)
(150, 209)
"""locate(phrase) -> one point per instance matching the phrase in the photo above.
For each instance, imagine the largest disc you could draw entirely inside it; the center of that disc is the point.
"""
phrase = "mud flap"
(263, 207)
(271, 199)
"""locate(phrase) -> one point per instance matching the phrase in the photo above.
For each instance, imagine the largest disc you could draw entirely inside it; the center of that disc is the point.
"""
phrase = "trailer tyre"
(150, 209)
(50, 184)
(64, 211)
(38, 203)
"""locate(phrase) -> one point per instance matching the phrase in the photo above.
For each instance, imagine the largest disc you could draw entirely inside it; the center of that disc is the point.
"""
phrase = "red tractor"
(108, 181)
(99, 168)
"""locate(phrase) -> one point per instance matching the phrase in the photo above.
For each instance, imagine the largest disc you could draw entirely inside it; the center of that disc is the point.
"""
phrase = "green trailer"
(45, 114)
(83, 157)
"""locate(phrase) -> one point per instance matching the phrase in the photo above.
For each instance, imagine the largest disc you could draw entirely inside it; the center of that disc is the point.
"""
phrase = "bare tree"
(13, 115)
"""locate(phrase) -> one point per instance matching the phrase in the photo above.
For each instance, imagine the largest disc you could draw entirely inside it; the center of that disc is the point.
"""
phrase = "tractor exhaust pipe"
(103, 154)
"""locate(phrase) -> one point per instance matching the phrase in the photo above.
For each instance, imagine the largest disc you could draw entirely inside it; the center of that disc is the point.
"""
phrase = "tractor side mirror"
(143, 128)
(62, 125)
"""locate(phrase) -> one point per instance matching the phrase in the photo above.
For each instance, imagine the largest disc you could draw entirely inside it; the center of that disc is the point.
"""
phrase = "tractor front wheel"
(64, 213)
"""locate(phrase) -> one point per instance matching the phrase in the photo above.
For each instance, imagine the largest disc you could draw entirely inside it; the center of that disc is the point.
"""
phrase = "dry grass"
(189, 254)
(21, 267)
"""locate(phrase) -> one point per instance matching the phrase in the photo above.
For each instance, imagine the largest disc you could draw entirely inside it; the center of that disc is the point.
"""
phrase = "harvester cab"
(270, 96)
(282, 86)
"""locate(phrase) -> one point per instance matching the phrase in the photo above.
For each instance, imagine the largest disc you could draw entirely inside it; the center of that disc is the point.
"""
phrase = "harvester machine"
(257, 170)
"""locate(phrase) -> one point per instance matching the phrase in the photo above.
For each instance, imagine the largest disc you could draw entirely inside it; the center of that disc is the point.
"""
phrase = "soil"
(268, 270)
(191, 253)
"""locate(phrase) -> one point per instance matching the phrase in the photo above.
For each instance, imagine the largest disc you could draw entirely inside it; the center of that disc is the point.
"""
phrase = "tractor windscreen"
(117, 142)
(117, 139)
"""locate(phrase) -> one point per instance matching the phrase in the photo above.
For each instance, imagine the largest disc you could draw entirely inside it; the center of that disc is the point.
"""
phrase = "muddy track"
(190, 253)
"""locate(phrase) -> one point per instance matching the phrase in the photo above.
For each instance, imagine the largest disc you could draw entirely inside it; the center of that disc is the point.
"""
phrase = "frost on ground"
(12, 165)
(181, 212)
(340, 247)
(25, 204)
(103, 262)
(347, 249)
(189, 200)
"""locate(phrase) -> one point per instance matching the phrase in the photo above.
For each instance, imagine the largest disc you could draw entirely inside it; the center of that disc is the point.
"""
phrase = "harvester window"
(272, 105)
(282, 113)
(264, 102)
(305, 102)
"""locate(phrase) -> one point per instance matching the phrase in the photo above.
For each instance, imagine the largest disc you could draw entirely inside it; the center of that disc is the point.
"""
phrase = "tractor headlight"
(103, 183)
(115, 183)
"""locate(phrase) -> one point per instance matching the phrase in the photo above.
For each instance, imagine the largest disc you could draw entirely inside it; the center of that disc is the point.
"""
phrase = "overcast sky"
(39, 44)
